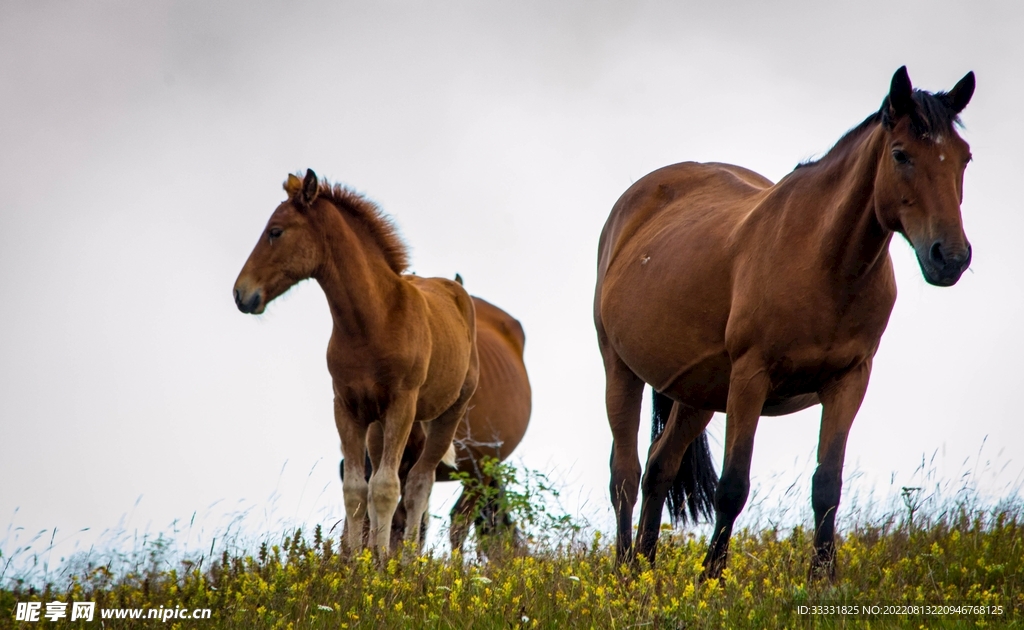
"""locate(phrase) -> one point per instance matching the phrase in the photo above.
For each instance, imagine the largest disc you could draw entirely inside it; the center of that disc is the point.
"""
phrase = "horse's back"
(679, 194)
(445, 298)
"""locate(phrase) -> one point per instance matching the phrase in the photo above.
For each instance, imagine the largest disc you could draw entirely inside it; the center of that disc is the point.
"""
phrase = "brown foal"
(403, 349)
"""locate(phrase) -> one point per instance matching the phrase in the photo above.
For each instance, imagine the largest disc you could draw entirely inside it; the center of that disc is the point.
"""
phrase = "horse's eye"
(275, 232)
(900, 157)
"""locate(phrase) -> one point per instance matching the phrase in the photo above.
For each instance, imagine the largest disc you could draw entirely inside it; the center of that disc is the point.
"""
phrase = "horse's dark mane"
(848, 138)
(931, 116)
(369, 214)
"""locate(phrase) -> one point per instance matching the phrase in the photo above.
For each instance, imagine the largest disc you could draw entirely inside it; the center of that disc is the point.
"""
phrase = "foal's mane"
(380, 226)
(932, 115)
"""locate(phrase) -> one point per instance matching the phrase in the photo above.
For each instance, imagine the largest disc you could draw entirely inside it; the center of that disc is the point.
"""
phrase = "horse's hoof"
(822, 571)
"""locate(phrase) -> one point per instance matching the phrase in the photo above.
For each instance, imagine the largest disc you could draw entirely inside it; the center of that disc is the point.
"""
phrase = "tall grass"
(927, 560)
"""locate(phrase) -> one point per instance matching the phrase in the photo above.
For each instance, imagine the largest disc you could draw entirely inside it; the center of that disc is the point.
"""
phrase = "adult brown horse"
(728, 293)
(403, 349)
(496, 420)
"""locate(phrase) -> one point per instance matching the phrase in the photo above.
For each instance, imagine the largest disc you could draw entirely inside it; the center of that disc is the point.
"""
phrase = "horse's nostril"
(936, 254)
(247, 304)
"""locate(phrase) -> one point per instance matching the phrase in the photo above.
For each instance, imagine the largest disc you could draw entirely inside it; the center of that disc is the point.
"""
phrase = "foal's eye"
(900, 156)
(275, 232)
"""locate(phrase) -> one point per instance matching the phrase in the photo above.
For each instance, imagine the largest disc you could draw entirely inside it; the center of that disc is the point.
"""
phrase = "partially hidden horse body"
(726, 292)
(495, 422)
(402, 352)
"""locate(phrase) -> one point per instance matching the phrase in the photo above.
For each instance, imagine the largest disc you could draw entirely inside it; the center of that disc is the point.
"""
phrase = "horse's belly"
(704, 386)
(708, 388)
(687, 362)
(670, 334)
(442, 388)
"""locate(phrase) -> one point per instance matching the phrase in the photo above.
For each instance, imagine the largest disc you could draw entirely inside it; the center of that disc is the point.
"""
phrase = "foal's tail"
(450, 458)
(693, 489)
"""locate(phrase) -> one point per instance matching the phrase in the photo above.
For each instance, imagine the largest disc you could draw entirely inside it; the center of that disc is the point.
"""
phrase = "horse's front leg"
(385, 487)
(353, 474)
(840, 400)
(748, 388)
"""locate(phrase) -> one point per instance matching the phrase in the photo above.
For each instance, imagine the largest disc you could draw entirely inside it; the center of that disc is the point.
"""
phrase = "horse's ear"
(961, 94)
(458, 278)
(901, 95)
(310, 187)
(292, 186)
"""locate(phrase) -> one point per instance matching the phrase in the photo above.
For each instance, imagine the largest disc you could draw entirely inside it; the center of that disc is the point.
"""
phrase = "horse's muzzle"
(943, 265)
(248, 303)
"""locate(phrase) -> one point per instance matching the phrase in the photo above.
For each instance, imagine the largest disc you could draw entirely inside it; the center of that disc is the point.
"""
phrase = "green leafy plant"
(517, 508)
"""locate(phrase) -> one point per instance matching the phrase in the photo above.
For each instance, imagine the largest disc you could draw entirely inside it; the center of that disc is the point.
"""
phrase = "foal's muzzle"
(248, 303)
(943, 265)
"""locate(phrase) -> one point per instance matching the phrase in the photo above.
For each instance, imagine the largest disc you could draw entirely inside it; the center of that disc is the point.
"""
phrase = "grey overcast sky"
(143, 146)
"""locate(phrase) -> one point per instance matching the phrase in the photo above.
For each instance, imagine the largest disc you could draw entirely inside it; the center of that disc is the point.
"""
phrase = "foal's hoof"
(409, 552)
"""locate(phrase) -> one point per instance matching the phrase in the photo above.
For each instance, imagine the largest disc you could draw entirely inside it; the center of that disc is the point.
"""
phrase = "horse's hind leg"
(663, 462)
(840, 402)
(398, 526)
(462, 514)
(748, 388)
(495, 520)
(623, 393)
(439, 435)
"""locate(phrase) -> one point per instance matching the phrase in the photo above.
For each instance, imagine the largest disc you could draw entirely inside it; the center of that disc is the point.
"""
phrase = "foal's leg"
(663, 461)
(840, 401)
(748, 388)
(385, 486)
(623, 393)
(354, 486)
(439, 435)
(398, 525)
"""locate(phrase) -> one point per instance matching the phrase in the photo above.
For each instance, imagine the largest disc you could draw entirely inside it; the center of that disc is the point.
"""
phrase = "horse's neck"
(840, 194)
(360, 286)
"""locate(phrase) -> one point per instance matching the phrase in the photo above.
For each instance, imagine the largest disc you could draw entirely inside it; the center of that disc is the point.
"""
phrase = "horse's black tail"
(693, 489)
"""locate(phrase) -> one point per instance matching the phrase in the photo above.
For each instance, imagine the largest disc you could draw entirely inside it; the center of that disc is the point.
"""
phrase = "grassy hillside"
(962, 566)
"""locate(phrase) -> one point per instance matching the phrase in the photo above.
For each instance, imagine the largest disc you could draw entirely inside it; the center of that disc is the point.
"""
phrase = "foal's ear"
(292, 186)
(310, 187)
(901, 94)
(961, 94)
